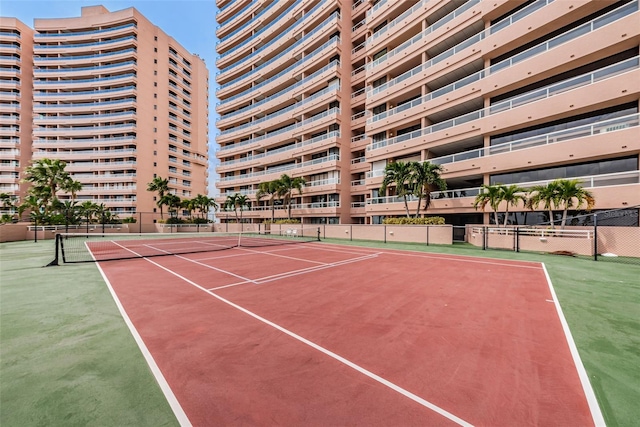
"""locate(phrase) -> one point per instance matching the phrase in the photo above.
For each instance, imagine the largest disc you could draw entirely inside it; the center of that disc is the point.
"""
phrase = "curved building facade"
(16, 87)
(121, 102)
(510, 92)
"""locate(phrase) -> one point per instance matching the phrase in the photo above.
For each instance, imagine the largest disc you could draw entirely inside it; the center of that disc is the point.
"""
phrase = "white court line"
(590, 395)
(199, 263)
(181, 416)
(464, 258)
(292, 273)
(281, 256)
(327, 352)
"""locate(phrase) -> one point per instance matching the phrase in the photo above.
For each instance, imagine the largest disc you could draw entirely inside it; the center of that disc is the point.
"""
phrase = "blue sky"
(190, 22)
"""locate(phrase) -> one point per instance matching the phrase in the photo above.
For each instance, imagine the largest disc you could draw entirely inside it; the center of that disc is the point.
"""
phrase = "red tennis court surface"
(329, 335)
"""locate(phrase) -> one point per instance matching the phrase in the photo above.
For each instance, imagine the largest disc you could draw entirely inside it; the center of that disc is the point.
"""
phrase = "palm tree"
(46, 177)
(33, 203)
(570, 191)
(72, 186)
(230, 204)
(171, 201)
(426, 175)
(204, 203)
(489, 195)
(400, 174)
(547, 195)
(512, 194)
(241, 201)
(189, 205)
(69, 209)
(271, 189)
(88, 209)
(286, 187)
(161, 186)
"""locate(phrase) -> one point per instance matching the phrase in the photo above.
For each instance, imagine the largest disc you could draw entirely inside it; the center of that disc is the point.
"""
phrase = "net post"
(384, 228)
(56, 259)
(595, 236)
(318, 234)
(350, 233)
(517, 237)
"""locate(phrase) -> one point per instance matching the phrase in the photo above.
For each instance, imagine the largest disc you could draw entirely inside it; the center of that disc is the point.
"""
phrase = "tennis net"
(88, 247)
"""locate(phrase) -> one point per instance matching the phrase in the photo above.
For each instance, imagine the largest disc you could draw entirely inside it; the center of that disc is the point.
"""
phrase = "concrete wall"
(13, 232)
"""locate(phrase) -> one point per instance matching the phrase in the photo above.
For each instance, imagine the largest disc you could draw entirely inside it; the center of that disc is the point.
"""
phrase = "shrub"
(200, 221)
(129, 220)
(283, 221)
(432, 220)
(174, 220)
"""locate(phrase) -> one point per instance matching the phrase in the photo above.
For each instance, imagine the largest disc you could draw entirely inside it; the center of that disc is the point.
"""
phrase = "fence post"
(484, 238)
(428, 235)
(385, 232)
(517, 237)
(318, 234)
(595, 236)
(350, 233)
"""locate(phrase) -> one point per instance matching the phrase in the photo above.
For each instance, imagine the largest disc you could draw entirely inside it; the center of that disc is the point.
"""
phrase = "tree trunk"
(273, 212)
(564, 219)
(506, 216)
(419, 203)
(495, 218)
(551, 219)
(406, 206)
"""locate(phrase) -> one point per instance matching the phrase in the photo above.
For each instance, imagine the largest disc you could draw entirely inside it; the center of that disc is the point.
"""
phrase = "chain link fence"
(609, 236)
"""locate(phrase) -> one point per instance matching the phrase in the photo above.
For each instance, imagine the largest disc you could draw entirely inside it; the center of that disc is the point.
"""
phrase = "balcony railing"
(332, 19)
(311, 99)
(39, 59)
(330, 158)
(73, 69)
(72, 45)
(592, 181)
(604, 126)
(281, 150)
(283, 130)
(265, 65)
(83, 33)
(276, 95)
(86, 92)
(571, 84)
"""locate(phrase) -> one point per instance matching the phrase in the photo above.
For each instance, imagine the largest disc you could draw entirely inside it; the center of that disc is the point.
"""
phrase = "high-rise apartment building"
(16, 87)
(510, 92)
(119, 101)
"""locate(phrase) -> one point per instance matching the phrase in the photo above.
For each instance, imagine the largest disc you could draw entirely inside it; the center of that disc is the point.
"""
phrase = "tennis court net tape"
(88, 247)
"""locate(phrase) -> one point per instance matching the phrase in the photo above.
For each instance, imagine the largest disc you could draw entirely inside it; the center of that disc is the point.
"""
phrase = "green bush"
(129, 220)
(432, 220)
(199, 221)
(174, 220)
(285, 221)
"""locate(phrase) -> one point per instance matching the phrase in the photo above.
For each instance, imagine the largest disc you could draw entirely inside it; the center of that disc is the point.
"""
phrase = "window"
(155, 49)
(155, 38)
(155, 61)
(380, 54)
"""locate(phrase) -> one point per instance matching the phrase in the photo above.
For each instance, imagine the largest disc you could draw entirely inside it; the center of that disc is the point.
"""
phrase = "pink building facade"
(121, 102)
(510, 92)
